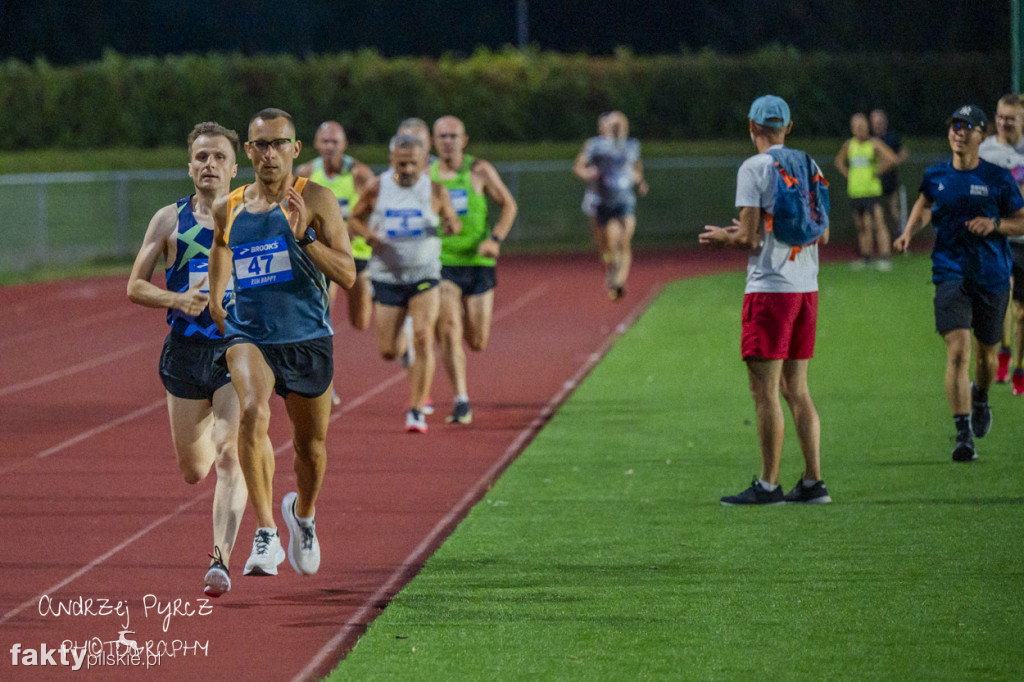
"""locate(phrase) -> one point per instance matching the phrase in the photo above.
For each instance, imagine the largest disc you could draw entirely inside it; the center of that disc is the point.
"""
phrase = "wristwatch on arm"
(308, 239)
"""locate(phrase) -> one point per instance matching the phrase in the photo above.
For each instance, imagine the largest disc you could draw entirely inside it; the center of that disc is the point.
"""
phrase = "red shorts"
(779, 326)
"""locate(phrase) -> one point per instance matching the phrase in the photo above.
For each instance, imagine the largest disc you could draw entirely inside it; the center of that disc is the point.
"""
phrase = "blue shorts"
(473, 280)
(189, 370)
(398, 295)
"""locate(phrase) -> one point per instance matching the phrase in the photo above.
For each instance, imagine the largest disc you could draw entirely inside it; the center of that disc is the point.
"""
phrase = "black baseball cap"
(969, 113)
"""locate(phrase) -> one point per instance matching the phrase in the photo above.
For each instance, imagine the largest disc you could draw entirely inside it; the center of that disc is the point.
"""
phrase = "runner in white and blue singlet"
(401, 214)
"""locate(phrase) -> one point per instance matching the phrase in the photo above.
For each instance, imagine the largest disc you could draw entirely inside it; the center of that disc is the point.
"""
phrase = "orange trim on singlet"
(236, 203)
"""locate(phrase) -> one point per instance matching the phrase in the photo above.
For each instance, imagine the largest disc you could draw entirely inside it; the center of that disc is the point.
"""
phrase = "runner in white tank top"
(406, 228)
(400, 214)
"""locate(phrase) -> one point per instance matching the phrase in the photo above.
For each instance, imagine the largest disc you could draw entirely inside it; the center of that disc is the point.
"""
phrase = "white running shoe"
(303, 547)
(218, 579)
(409, 356)
(267, 553)
(414, 421)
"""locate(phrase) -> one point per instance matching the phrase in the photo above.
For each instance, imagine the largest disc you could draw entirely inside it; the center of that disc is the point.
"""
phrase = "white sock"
(768, 486)
(462, 398)
(808, 483)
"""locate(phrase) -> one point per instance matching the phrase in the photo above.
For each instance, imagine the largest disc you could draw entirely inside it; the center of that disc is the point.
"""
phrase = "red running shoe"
(1003, 372)
(1018, 382)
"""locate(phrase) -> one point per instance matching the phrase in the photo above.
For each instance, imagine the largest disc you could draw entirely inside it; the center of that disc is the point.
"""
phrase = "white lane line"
(383, 385)
(73, 369)
(520, 302)
(63, 328)
(103, 557)
(74, 440)
(101, 428)
(409, 567)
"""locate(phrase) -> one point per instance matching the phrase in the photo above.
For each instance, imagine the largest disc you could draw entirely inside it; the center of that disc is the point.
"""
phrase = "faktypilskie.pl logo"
(121, 649)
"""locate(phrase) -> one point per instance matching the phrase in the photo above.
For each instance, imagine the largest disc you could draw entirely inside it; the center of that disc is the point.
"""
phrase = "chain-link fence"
(62, 218)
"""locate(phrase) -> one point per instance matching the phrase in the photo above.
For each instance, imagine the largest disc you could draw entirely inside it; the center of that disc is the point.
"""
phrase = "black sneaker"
(756, 494)
(964, 451)
(813, 494)
(981, 415)
(461, 414)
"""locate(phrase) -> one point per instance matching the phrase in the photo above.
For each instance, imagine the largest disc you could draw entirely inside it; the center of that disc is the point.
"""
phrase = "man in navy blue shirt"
(974, 205)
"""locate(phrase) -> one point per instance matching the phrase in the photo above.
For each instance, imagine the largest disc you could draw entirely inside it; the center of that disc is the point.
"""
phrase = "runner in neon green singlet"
(863, 180)
(343, 186)
(464, 247)
(345, 177)
(467, 259)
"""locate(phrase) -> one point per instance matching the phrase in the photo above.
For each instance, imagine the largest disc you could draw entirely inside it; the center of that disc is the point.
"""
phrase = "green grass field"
(603, 552)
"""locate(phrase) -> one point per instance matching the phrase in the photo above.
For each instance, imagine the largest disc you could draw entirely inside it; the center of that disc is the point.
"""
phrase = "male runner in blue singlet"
(281, 238)
(202, 406)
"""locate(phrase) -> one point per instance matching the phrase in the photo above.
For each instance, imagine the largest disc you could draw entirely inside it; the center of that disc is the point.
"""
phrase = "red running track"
(93, 507)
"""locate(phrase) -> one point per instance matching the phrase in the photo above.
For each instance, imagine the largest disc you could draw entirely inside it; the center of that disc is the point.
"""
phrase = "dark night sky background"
(68, 31)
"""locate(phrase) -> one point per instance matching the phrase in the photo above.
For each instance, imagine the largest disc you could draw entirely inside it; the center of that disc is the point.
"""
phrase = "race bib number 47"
(262, 263)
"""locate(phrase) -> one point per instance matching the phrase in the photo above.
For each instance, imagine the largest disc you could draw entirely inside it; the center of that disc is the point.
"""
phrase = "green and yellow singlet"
(462, 248)
(343, 187)
(863, 180)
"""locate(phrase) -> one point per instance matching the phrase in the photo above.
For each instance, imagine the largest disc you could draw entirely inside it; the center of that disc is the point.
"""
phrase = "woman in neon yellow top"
(863, 159)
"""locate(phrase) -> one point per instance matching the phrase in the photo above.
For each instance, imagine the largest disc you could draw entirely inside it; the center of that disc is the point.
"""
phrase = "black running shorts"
(958, 306)
(398, 295)
(473, 280)
(189, 369)
(862, 205)
(305, 368)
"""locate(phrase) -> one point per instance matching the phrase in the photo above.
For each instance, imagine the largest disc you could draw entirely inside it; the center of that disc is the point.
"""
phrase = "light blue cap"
(770, 111)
